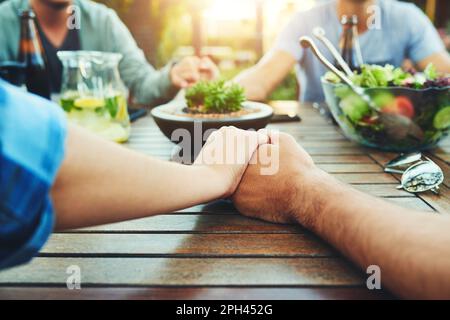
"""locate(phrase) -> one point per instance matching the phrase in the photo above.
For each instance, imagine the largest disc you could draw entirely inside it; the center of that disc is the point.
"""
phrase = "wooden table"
(210, 251)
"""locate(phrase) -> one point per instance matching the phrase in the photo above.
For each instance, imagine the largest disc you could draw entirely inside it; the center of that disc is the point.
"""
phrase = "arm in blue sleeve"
(32, 138)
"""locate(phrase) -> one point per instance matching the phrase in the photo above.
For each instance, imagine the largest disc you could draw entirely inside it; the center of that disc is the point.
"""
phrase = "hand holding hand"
(276, 197)
(227, 153)
(190, 70)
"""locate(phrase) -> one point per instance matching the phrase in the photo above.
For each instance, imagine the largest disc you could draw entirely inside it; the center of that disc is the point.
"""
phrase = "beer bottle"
(349, 44)
(32, 56)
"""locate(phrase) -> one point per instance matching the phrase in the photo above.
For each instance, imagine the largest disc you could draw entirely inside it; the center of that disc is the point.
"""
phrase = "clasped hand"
(262, 171)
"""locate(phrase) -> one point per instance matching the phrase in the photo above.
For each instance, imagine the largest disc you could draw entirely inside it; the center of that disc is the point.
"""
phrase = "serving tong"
(421, 173)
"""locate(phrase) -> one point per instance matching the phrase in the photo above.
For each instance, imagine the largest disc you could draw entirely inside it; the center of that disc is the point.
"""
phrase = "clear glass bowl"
(93, 95)
(428, 108)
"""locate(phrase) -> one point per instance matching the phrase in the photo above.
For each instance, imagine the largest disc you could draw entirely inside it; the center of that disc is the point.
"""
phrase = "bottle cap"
(344, 19)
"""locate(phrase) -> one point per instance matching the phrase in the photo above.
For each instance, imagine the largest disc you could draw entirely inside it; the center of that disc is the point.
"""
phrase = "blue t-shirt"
(404, 32)
(32, 139)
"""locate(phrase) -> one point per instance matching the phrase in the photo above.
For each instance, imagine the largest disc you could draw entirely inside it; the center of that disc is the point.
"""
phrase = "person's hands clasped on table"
(227, 153)
(190, 70)
(362, 227)
(57, 176)
(97, 180)
(278, 190)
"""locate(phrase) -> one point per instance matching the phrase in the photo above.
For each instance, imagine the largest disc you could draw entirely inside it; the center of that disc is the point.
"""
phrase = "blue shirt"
(32, 138)
(404, 32)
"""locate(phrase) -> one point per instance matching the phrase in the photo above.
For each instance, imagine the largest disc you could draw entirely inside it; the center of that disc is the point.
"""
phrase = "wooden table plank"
(196, 223)
(336, 159)
(445, 168)
(411, 203)
(383, 190)
(443, 156)
(327, 137)
(441, 202)
(335, 150)
(187, 245)
(350, 167)
(188, 271)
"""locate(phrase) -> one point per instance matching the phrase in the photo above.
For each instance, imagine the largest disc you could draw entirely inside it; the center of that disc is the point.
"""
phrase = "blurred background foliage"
(171, 29)
(235, 33)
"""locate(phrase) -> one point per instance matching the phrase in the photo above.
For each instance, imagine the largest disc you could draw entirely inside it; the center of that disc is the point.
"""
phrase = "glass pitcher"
(93, 95)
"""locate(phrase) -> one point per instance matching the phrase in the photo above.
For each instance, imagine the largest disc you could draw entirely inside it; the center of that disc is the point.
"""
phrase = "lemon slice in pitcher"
(89, 103)
(122, 113)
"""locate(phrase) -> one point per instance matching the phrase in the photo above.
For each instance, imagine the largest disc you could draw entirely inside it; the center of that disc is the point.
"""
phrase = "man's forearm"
(255, 89)
(440, 60)
(101, 182)
(411, 248)
(260, 80)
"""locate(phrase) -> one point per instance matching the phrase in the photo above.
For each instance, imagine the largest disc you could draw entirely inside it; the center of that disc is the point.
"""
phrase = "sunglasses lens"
(422, 176)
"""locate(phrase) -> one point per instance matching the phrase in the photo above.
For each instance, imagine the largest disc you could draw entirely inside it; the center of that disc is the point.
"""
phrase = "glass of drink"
(93, 95)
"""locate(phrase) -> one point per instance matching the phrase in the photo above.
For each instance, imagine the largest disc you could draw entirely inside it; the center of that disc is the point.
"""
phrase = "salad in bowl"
(420, 100)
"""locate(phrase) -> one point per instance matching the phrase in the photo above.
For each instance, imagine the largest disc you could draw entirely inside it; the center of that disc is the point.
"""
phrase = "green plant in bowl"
(215, 97)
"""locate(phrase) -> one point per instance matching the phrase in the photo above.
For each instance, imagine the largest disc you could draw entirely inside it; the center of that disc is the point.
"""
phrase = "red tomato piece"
(401, 105)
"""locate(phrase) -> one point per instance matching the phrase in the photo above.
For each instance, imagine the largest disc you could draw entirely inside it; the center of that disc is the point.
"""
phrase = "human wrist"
(213, 181)
(313, 189)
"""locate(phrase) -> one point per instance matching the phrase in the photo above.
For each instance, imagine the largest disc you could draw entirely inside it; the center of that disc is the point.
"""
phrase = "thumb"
(273, 135)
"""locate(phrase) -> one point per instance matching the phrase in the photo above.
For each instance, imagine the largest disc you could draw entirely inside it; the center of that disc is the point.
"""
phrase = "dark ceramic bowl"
(173, 120)
(428, 109)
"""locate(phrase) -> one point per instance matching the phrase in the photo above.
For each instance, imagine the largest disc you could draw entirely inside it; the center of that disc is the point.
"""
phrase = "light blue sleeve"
(148, 85)
(9, 31)
(287, 39)
(32, 144)
(423, 38)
